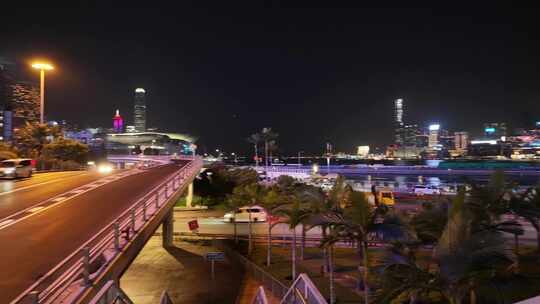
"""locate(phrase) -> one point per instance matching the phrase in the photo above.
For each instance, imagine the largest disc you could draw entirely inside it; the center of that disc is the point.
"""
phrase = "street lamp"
(42, 67)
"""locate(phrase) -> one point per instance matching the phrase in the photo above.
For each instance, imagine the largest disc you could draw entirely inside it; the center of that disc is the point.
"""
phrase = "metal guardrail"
(155, 158)
(303, 291)
(71, 277)
(272, 284)
(165, 299)
(279, 239)
(260, 297)
(111, 293)
(300, 292)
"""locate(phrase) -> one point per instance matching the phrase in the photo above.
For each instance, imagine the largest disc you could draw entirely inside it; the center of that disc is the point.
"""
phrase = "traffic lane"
(35, 245)
(216, 225)
(43, 189)
(9, 185)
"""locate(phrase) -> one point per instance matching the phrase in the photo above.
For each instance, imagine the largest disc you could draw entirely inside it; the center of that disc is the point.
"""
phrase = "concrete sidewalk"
(181, 271)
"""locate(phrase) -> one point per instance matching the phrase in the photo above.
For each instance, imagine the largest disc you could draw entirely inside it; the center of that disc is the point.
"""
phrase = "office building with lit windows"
(19, 99)
(139, 113)
(399, 128)
(495, 130)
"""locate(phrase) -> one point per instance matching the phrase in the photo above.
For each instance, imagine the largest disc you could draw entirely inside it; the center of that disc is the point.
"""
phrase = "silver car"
(13, 168)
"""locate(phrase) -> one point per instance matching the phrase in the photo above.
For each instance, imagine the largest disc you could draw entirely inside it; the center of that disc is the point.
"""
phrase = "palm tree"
(356, 223)
(255, 139)
(429, 224)
(340, 193)
(328, 244)
(294, 215)
(466, 258)
(319, 207)
(527, 205)
(274, 198)
(250, 194)
(487, 205)
(266, 136)
(272, 147)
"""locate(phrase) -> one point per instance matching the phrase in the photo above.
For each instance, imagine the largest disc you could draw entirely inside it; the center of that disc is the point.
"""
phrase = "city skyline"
(234, 76)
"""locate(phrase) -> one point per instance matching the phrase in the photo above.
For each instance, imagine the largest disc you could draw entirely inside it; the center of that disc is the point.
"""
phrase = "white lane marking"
(61, 198)
(38, 184)
(35, 209)
(77, 191)
(56, 203)
(6, 222)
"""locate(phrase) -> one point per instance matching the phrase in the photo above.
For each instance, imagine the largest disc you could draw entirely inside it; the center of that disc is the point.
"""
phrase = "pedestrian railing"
(165, 299)
(284, 169)
(260, 297)
(111, 293)
(68, 280)
(277, 240)
(271, 284)
(303, 291)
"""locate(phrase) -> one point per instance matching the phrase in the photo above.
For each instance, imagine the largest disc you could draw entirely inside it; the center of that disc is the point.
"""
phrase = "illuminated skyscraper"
(433, 135)
(399, 110)
(398, 122)
(118, 123)
(495, 130)
(139, 119)
(461, 140)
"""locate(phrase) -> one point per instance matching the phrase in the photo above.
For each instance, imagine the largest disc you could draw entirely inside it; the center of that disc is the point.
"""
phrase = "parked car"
(423, 189)
(242, 215)
(14, 168)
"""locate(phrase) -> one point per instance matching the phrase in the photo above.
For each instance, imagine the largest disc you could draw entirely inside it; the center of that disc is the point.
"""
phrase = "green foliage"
(65, 150)
(267, 135)
(294, 214)
(31, 138)
(250, 194)
(217, 183)
(470, 251)
(7, 152)
(340, 193)
(429, 224)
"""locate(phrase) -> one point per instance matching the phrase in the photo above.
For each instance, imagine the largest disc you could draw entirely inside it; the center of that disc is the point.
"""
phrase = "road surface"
(35, 244)
(212, 223)
(16, 195)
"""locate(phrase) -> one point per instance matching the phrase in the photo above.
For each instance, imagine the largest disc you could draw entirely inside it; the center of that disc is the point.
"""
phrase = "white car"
(242, 215)
(13, 168)
(422, 190)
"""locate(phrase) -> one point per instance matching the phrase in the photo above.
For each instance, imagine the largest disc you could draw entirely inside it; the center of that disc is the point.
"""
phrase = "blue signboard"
(215, 256)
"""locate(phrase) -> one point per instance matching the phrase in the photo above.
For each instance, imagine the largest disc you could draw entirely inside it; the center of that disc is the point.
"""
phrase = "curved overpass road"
(33, 246)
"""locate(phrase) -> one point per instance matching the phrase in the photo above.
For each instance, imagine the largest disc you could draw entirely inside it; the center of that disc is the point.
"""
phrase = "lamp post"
(42, 67)
(299, 162)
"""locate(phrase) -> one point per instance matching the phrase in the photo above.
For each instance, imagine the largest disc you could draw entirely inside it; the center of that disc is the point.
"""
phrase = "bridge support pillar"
(168, 228)
(189, 197)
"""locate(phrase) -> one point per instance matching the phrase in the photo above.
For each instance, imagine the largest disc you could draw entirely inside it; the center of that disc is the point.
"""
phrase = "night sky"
(312, 73)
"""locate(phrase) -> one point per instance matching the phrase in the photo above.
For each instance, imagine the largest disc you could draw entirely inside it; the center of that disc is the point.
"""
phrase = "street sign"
(193, 225)
(215, 256)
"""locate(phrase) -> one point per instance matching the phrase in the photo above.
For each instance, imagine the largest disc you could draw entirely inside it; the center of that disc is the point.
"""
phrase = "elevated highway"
(47, 225)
